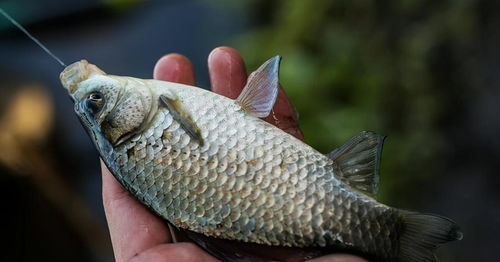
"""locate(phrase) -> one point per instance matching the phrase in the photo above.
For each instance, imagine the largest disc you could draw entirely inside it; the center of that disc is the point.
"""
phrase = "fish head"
(116, 106)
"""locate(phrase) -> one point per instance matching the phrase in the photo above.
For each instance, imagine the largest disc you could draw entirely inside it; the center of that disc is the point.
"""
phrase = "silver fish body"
(253, 183)
(207, 164)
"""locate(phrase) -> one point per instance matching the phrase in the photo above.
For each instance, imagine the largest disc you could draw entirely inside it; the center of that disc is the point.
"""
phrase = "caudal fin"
(422, 234)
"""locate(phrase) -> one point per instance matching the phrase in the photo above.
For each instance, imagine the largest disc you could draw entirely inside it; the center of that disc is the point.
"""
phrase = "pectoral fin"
(261, 90)
(183, 118)
(357, 162)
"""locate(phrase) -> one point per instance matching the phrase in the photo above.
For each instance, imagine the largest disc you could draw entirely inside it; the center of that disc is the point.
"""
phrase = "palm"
(139, 235)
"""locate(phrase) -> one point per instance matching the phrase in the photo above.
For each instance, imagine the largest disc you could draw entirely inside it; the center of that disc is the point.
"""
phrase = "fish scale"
(300, 212)
(209, 165)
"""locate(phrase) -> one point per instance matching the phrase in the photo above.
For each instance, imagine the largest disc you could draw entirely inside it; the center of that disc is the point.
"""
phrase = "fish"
(235, 184)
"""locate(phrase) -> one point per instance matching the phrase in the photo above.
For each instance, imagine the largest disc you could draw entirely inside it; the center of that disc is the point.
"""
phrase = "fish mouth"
(103, 146)
(93, 129)
(76, 73)
(85, 116)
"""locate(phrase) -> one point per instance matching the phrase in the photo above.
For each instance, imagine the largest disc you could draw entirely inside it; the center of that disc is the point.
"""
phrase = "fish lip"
(73, 99)
(92, 128)
(85, 116)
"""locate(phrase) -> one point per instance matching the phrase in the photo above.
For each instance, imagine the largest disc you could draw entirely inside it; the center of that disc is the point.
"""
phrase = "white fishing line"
(14, 22)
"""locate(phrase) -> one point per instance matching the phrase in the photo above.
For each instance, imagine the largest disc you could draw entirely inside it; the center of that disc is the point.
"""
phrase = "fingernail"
(223, 52)
(221, 63)
(167, 68)
(174, 68)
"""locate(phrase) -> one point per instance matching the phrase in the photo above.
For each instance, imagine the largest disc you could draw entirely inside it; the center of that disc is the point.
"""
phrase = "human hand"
(137, 234)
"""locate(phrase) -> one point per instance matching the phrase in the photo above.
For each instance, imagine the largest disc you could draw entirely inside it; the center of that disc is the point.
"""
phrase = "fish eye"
(95, 101)
(96, 97)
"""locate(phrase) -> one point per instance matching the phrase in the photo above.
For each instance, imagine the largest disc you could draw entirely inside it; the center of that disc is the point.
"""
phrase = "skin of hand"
(137, 235)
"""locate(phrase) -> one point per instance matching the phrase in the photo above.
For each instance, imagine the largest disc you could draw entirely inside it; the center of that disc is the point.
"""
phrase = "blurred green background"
(424, 73)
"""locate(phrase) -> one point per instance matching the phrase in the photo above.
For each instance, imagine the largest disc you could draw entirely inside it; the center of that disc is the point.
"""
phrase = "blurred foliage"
(360, 65)
(119, 5)
(32, 11)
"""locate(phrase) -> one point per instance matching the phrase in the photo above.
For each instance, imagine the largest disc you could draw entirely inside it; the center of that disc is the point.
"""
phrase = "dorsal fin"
(261, 90)
(183, 118)
(357, 162)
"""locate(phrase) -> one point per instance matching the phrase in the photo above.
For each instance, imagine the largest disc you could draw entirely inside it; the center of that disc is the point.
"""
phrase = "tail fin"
(422, 234)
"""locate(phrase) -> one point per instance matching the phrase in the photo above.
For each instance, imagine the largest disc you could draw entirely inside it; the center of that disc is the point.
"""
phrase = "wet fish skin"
(241, 178)
(235, 191)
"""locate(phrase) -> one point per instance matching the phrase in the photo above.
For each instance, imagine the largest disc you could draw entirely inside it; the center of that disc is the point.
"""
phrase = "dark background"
(424, 73)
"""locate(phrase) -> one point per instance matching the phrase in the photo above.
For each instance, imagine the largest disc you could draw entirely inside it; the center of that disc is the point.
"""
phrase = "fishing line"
(14, 22)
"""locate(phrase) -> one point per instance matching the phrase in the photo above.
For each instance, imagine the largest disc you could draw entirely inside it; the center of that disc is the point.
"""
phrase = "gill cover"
(127, 102)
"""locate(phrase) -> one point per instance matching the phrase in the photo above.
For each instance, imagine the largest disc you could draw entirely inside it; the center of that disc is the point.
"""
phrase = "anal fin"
(357, 162)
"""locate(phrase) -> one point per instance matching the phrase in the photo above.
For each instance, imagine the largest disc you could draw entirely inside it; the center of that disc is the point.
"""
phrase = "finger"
(339, 258)
(132, 227)
(227, 72)
(228, 77)
(178, 252)
(174, 68)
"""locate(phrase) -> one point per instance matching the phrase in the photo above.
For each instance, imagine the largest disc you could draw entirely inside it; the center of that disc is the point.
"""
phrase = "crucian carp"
(210, 166)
